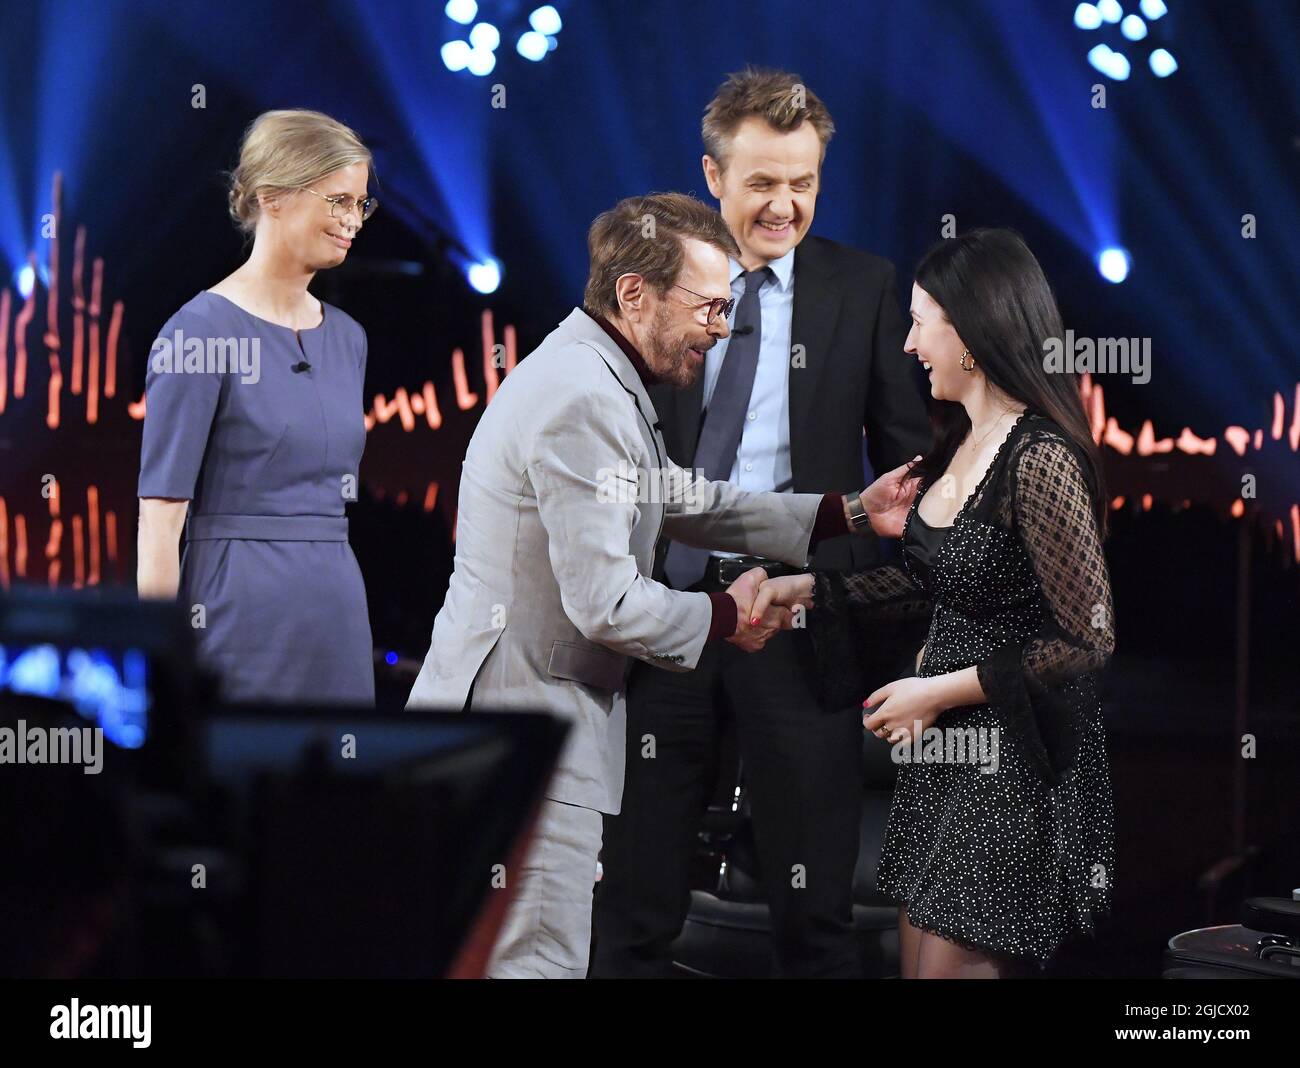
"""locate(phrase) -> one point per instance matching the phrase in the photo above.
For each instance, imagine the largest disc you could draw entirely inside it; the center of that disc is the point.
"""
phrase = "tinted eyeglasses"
(717, 305)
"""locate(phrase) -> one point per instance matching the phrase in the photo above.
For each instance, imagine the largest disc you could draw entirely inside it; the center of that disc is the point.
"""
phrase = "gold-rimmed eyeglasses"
(342, 204)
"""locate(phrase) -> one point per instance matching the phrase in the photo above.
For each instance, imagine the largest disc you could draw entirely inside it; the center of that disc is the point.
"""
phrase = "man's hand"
(889, 498)
(783, 594)
(753, 636)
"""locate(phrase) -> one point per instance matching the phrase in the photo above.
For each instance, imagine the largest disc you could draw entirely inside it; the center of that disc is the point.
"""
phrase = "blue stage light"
(533, 45)
(390, 657)
(1113, 263)
(1162, 63)
(1114, 64)
(462, 11)
(1111, 63)
(455, 55)
(1133, 28)
(485, 276)
(25, 278)
(484, 39)
(481, 61)
(485, 36)
(546, 21)
(1087, 17)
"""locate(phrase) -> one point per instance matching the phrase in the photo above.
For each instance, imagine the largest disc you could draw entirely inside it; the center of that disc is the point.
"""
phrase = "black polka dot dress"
(1001, 836)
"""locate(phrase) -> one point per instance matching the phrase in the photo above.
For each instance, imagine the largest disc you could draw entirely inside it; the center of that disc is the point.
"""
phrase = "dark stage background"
(112, 215)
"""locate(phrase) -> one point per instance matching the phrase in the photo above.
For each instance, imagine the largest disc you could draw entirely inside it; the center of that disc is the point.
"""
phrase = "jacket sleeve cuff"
(725, 615)
(830, 521)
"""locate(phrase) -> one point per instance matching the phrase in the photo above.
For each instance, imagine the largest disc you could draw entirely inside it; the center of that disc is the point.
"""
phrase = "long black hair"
(993, 291)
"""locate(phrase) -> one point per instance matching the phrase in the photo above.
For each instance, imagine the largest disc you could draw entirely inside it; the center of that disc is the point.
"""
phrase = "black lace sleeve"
(859, 619)
(1044, 680)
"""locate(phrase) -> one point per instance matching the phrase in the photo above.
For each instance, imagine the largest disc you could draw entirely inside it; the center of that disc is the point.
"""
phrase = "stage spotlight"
(1162, 63)
(462, 11)
(484, 277)
(25, 278)
(1087, 17)
(481, 61)
(478, 56)
(390, 657)
(1114, 64)
(485, 36)
(1113, 263)
(1111, 63)
(533, 45)
(1133, 28)
(546, 21)
(455, 55)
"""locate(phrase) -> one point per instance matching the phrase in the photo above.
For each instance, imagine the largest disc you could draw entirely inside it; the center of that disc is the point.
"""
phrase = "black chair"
(1265, 945)
(727, 933)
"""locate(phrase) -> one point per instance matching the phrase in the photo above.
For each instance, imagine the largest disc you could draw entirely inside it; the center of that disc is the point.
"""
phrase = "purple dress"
(263, 433)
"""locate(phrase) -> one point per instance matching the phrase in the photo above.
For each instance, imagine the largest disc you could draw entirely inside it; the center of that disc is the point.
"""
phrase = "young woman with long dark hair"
(997, 862)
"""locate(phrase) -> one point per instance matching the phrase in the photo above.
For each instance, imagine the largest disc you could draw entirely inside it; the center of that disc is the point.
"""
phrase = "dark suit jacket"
(855, 376)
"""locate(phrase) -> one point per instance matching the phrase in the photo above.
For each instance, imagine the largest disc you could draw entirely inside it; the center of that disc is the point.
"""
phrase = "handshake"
(765, 605)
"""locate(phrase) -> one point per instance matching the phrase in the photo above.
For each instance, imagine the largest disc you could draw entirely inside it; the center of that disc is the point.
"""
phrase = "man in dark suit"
(814, 360)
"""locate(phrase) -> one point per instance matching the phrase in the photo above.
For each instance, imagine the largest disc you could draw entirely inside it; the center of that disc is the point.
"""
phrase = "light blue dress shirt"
(763, 458)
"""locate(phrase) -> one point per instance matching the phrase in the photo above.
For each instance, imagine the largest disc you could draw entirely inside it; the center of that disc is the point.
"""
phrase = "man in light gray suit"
(566, 489)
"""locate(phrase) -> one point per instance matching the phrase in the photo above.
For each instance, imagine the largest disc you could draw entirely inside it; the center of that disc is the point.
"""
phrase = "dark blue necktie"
(724, 419)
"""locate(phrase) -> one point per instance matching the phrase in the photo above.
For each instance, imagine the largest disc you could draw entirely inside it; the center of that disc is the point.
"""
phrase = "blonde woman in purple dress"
(254, 430)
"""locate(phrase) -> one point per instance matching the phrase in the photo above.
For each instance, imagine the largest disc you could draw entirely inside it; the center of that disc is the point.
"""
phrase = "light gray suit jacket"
(561, 506)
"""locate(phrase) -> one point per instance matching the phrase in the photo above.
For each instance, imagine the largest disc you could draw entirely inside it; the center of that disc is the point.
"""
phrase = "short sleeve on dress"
(180, 405)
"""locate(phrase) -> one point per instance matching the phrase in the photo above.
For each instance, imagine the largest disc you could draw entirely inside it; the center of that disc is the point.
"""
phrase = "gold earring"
(962, 360)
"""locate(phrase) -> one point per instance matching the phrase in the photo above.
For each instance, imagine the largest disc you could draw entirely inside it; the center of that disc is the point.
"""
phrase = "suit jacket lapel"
(689, 404)
(681, 410)
(817, 300)
(588, 330)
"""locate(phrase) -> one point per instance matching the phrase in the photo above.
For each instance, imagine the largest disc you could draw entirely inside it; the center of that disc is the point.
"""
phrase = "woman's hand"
(889, 498)
(785, 592)
(753, 628)
(894, 710)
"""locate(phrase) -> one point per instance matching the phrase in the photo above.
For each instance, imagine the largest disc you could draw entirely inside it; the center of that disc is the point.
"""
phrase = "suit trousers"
(803, 773)
(547, 930)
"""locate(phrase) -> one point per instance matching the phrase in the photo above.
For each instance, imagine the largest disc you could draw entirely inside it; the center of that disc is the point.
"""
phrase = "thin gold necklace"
(985, 436)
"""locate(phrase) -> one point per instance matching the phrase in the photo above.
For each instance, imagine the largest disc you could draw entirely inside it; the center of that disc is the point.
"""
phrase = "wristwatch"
(857, 514)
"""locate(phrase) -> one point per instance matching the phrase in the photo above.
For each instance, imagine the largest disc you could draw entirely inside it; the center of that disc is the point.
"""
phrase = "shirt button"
(753, 415)
(749, 467)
